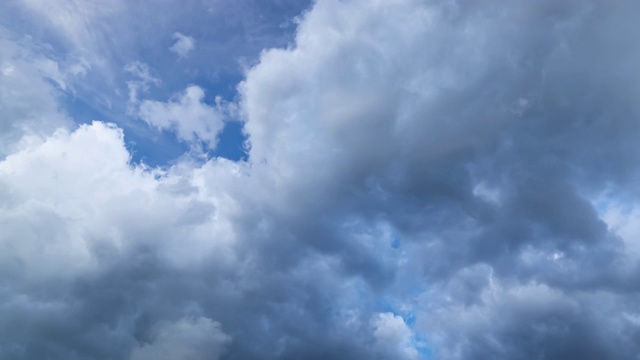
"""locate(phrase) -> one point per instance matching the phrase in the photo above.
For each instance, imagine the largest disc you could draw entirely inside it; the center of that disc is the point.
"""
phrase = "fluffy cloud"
(98, 206)
(532, 320)
(184, 44)
(187, 114)
(394, 336)
(470, 165)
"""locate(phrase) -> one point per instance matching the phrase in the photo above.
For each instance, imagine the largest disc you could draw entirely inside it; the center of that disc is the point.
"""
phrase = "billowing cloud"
(394, 336)
(425, 180)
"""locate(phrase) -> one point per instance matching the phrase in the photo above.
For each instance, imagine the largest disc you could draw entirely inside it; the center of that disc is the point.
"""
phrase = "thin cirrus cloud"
(423, 181)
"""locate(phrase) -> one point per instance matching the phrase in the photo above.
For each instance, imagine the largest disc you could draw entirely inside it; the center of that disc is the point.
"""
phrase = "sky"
(329, 179)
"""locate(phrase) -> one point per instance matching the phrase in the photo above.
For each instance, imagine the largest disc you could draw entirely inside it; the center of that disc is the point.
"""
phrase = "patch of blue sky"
(231, 143)
(395, 242)
(227, 39)
(384, 304)
(145, 144)
(425, 350)
(395, 236)
(215, 65)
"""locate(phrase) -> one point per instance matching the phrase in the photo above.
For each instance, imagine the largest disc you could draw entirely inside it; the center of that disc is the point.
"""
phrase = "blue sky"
(224, 40)
(329, 179)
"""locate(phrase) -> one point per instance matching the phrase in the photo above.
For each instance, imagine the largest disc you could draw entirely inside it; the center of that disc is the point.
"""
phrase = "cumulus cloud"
(187, 114)
(184, 44)
(96, 210)
(394, 336)
(533, 320)
(470, 164)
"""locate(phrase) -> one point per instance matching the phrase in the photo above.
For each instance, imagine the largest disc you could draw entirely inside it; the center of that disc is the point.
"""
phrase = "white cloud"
(184, 44)
(141, 84)
(54, 232)
(79, 23)
(394, 337)
(187, 114)
(315, 110)
(69, 199)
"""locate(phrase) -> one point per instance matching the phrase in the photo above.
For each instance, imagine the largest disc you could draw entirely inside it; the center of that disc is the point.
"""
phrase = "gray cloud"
(450, 181)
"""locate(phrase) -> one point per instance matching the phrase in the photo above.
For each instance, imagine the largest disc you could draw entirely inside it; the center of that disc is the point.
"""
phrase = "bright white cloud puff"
(187, 114)
(451, 180)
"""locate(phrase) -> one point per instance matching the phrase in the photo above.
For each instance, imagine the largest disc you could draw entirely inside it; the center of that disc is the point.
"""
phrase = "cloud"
(394, 336)
(97, 211)
(184, 44)
(94, 42)
(471, 165)
(187, 114)
(414, 119)
(521, 321)
(31, 210)
(142, 82)
(188, 339)
(75, 21)
(29, 94)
